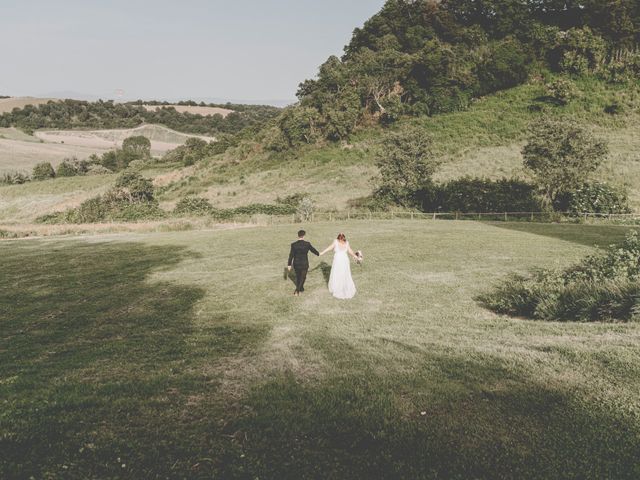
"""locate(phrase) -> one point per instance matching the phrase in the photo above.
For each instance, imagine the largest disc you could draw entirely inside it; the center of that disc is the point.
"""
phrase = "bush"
(481, 195)
(562, 90)
(98, 170)
(194, 206)
(66, 169)
(43, 171)
(603, 287)
(131, 199)
(139, 189)
(305, 209)
(14, 178)
(580, 51)
(593, 198)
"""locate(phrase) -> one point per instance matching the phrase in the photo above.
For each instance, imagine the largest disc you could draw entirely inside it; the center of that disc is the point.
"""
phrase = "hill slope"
(483, 141)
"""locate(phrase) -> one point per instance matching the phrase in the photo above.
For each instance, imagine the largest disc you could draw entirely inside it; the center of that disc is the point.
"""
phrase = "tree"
(561, 155)
(407, 163)
(138, 145)
(43, 171)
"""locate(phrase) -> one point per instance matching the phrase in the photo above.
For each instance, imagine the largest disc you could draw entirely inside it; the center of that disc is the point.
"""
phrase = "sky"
(249, 50)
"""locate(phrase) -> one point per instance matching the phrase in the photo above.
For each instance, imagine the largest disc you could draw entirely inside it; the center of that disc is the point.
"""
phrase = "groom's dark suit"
(298, 258)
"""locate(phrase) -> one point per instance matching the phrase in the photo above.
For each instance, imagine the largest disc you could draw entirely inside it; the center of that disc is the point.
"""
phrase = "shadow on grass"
(589, 235)
(325, 268)
(459, 419)
(101, 370)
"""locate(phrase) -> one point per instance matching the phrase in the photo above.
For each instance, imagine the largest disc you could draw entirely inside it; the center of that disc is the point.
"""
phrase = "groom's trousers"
(301, 276)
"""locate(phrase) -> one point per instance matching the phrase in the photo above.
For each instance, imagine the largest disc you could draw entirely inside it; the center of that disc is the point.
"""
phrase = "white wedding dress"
(340, 282)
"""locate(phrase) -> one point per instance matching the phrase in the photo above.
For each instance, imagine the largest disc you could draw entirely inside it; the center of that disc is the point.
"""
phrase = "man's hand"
(289, 268)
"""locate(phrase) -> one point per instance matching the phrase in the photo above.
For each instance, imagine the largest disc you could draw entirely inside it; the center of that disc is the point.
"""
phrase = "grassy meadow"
(184, 355)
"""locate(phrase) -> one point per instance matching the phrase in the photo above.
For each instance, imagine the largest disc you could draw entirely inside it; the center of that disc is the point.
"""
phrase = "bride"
(340, 282)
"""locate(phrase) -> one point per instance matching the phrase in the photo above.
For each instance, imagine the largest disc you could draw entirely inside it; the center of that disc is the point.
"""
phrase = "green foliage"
(603, 287)
(424, 57)
(66, 169)
(70, 114)
(196, 149)
(194, 206)
(593, 197)
(580, 51)
(43, 171)
(481, 195)
(135, 186)
(14, 178)
(131, 199)
(138, 146)
(561, 156)
(562, 90)
(406, 162)
(98, 170)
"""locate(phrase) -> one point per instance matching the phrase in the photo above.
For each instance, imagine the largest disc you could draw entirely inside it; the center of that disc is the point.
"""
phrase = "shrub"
(136, 165)
(305, 209)
(14, 178)
(66, 169)
(43, 171)
(259, 208)
(481, 195)
(139, 189)
(580, 51)
(593, 198)
(602, 287)
(194, 206)
(562, 90)
(98, 170)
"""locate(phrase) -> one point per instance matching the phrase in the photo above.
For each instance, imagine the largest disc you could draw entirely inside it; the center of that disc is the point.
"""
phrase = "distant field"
(19, 151)
(195, 110)
(179, 355)
(8, 104)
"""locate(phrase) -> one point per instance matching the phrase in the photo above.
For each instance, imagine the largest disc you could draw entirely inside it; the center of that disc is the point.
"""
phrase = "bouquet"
(359, 257)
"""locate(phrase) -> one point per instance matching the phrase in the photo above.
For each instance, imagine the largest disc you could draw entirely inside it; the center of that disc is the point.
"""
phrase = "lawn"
(184, 355)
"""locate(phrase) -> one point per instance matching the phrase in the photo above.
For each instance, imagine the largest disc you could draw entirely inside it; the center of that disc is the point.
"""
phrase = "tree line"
(68, 114)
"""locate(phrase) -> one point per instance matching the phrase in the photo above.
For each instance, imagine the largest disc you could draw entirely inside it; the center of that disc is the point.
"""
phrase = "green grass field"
(184, 355)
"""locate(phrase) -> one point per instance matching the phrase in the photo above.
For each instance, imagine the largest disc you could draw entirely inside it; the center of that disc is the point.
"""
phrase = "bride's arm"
(326, 249)
(352, 254)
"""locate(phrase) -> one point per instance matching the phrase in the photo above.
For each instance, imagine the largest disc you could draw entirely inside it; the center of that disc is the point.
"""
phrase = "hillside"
(20, 152)
(483, 141)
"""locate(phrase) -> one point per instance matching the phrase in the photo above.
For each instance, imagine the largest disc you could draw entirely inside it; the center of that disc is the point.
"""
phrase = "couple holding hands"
(340, 282)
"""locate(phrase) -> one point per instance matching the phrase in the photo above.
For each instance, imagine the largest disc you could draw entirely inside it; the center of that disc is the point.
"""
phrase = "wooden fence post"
(505, 216)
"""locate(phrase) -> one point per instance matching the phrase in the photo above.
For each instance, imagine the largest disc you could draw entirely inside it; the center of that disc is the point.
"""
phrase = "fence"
(264, 219)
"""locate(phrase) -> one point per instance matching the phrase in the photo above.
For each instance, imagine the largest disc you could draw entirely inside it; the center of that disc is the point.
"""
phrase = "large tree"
(561, 155)
(407, 163)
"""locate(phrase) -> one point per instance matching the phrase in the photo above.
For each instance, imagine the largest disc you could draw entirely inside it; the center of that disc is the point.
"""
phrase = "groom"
(298, 258)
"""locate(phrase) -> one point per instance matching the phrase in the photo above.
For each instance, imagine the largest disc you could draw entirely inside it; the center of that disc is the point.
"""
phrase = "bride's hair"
(341, 237)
